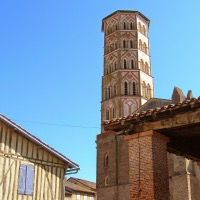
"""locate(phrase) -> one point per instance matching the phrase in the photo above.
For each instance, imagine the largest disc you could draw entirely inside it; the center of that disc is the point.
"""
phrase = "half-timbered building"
(29, 168)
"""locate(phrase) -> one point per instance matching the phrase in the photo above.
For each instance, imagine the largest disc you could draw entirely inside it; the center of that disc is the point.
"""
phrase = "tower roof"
(126, 11)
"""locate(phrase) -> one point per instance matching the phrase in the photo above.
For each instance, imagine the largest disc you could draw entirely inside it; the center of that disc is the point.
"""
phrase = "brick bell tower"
(127, 82)
(126, 85)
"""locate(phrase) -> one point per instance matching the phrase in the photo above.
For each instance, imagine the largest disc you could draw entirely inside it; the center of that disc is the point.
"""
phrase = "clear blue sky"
(51, 63)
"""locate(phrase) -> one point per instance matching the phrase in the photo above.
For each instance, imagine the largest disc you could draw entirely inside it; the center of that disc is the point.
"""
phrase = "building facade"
(79, 189)
(29, 168)
(132, 158)
(127, 82)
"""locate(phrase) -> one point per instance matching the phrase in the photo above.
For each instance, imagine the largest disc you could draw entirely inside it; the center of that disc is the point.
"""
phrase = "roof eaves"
(126, 11)
(38, 141)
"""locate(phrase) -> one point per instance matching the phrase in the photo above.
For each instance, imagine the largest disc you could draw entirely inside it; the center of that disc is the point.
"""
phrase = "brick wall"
(148, 170)
(117, 170)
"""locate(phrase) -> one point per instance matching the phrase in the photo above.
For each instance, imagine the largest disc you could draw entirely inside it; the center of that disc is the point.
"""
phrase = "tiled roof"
(153, 103)
(90, 184)
(75, 187)
(36, 140)
(156, 113)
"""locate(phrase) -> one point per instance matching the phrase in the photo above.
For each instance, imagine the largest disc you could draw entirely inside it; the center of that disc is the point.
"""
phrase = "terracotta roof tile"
(186, 104)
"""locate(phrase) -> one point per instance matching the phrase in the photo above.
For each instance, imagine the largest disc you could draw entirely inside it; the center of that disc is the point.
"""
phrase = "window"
(113, 113)
(132, 64)
(106, 181)
(144, 30)
(110, 29)
(111, 47)
(107, 114)
(139, 26)
(85, 197)
(124, 25)
(115, 90)
(142, 65)
(115, 46)
(106, 160)
(131, 25)
(26, 179)
(144, 89)
(115, 64)
(124, 64)
(125, 88)
(131, 44)
(124, 43)
(145, 47)
(109, 93)
(91, 197)
(78, 196)
(134, 89)
(140, 45)
(146, 68)
(148, 91)
(110, 68)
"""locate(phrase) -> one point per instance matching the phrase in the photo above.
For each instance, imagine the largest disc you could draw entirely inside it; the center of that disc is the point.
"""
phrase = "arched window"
(144, 30)
(131, 25)
(115, 90)
(145, 47)
(146, 68)
(124, 25)
(116, 27)
(124, 63)
(110, 31)
(144, 89)
(106, 160)
(115, 45)
(115, 65)
(132, 64)
(140, 45)
(107, 114)
(148, 91)
(113, 113)
(125, 88)
(106, 181)
(109, 92)
(131, 43)
(139, 26)
(134, 88)
(111, 47)
(124, 43)
(142, 65)
(110, 68)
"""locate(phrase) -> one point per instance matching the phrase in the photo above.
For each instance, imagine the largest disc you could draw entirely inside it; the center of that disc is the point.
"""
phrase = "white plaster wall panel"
(142, 21)
(143, 38)
(146, 78)
(143, 101)
(142, 55)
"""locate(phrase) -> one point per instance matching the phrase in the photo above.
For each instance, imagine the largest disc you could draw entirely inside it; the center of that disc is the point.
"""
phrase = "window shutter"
(29, 180)
(21, 180)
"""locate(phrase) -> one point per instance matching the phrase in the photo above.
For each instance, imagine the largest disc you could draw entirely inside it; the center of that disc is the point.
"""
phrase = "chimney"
(177, 95)
(189, 95)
